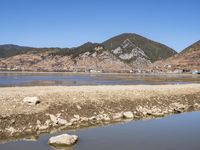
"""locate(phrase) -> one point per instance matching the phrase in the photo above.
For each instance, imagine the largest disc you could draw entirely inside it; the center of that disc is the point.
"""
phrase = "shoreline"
(97, 73)
(64, 108)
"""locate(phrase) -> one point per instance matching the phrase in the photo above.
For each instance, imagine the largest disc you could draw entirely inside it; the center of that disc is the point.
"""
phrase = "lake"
(72, 79)
(176, 132)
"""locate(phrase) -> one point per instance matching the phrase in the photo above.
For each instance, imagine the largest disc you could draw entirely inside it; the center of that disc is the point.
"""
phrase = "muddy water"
(63, 79)
(177, 132)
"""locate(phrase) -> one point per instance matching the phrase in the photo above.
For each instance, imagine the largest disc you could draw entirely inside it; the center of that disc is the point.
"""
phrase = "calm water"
(43, 79)
(177, 132)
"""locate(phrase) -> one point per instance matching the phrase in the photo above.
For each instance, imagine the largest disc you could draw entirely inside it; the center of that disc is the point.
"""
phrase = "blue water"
(177, 132)
(64, 79)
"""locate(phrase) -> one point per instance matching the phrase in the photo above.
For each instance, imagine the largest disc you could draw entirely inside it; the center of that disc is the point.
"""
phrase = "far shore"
(123, 73)
(71, 107)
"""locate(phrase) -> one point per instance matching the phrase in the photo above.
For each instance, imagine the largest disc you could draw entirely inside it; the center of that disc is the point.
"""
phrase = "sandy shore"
(82, 106)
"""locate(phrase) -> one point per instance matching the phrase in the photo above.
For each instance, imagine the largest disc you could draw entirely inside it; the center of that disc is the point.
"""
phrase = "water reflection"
(177, 132)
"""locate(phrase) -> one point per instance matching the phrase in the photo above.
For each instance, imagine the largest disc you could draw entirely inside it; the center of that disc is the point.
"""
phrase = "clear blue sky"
(68, 23)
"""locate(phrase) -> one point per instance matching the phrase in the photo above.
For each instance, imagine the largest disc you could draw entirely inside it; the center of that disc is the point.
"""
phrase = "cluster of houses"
(134, 71)
(196, 72)
(186, 71)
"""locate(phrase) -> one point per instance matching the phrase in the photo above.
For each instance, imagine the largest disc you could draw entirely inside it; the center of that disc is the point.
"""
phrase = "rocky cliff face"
(133, 55)
(123, 53)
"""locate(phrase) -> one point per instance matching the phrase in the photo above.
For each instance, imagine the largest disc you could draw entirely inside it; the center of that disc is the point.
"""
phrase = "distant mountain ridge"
(193, 47)
(123, 52)
(9, 50)
(188, 59)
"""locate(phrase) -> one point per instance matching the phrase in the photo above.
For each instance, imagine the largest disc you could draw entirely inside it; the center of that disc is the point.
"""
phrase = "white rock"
(143, 110)
(128, 115)
(78, 107)
(158, 114)
(57, 121)
(196, 105)
(64, 139)
(68, 124)
(93, 118)
(178, 107)
(53, 119)
(48, 122)
(31, 100)
(58, 115)
(74, 121)
(42, 127)
(82, 119)
(11, 130)
(77, 117)
(38, 122)
(61, 121)
(117, 116)
(103, 117)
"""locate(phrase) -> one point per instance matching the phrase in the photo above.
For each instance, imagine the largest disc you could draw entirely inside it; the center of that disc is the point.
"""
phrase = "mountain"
(9, 50)
(192, 48)
(89, 57)
(119, 54)
(153, 50)
(188, 59)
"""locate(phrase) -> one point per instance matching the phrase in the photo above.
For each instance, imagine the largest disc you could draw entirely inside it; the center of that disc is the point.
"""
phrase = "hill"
(9, 50)
(153, 50)
(119, 54)
(188, 59)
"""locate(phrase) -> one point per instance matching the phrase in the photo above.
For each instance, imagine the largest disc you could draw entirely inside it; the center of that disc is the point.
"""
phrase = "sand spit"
(72, 107)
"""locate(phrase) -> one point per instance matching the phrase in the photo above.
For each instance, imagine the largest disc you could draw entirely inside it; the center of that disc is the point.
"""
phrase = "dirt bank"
(82, 106)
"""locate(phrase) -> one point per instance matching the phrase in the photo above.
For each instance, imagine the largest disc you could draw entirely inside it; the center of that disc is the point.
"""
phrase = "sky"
(70, 23)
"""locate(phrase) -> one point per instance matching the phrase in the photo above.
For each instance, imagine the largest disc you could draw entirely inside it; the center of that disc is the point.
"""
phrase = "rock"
(93, 118)
(31, 100)
(117, 116)
(63, 140)
(143, 110)
(12, 121)
(58, 115)
(38, 122)
(42, 127)
(158, 114)
(61, 121)
(196, 105)
(178, 107)
(48, 122)
(154, 111)
(103, 117)
(84, 119)
(57, 121)
(11, 130)
(128, 115)
(144, 113)
(78, 107)
(74, 121)
(53, 119)
(77, 117)
(68, 124)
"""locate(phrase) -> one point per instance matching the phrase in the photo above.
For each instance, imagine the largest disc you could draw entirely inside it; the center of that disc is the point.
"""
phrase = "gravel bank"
(82, 106)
